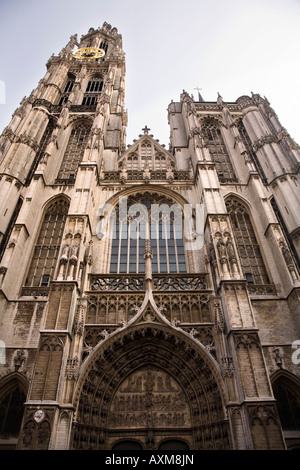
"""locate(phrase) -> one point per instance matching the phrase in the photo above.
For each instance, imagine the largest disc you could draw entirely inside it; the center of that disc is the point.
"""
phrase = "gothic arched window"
(11, 413)
(74, 152)
(157, 220)
(287, 395)
(47, 246)
(104, 46)
(41, 150)
(248, 145)
(93, 89)
(248, 248)
(67, 90)
(213, 139)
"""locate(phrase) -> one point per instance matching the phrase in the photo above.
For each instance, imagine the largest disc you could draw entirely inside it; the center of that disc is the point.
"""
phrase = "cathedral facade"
(149, 297)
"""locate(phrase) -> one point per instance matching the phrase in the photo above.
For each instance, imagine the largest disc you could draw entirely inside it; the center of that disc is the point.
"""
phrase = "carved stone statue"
(65, 253)
(74, 252)
(146, 173)
(287, 256)
(230, 248)
(221, 248)
(19, 359)
(170, 174)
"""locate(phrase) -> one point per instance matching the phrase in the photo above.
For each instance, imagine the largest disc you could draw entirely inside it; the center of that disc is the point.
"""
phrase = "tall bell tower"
(86, 84)
(69, 130)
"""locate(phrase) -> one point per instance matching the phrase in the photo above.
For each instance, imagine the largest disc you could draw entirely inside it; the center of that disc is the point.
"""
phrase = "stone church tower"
(149, 297)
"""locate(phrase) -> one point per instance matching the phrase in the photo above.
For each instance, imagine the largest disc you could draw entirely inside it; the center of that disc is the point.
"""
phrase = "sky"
(231, 47)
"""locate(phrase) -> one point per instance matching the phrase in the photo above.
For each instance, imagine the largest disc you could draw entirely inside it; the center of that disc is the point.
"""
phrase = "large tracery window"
(248, 145)
(159, 221)
(67, 90)
(92, 91)
(248, 248)
(214, 141)
(42, 147)
(104, 46)
(47, 247)
(74, 152)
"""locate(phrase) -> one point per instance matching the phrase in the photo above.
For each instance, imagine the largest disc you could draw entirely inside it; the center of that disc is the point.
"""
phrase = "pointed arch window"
(160, 221)
(104, 46)
(67, 90)
(287, 395)
(47, 246)
(248, 247)
(42, 147)
(11, 413)
(7, 234)
(93, 89)
(213, 139)
(248, 145)
(74, 152)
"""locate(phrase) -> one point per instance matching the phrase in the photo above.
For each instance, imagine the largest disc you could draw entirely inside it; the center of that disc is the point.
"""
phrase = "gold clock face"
(89, 53)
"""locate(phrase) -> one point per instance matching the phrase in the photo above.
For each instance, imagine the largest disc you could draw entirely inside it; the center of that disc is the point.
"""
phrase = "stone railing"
(116, 282)
(154, 175)
(35, 292)
(161, 282)
(261, 289)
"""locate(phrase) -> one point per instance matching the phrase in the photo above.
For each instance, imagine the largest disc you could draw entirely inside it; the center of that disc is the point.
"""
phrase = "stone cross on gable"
(146, 130)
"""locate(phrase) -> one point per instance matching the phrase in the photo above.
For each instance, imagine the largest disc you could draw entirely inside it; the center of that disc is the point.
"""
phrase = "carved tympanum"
(150, 397)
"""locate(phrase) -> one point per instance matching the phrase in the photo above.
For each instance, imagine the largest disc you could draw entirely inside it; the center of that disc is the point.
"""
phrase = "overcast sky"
(233, 47)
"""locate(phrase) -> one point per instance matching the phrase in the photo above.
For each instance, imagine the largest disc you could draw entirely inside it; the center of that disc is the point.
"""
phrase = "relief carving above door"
(151, 398)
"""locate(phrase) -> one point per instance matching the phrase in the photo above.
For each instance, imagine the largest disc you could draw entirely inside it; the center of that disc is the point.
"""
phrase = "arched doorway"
(173, 444)
(150, 384)
(127, 445)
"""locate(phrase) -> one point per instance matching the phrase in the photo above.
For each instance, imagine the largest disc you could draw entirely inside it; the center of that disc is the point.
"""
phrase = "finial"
(146, 130)
(148, 255)
(200, 98)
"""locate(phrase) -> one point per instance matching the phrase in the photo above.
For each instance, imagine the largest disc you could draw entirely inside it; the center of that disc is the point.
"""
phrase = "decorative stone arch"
(48, 202)
(75, 142)
(46, 206)
(216, 120)
(13, 392)
(152, 191)
(173, 444)
(248, 209)
(12, 379)
(163, 351)
(94, 74)
(286, 389)
(245, 202)
(36, 430)
(146, 188)
(75, 120)
(129, 444)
